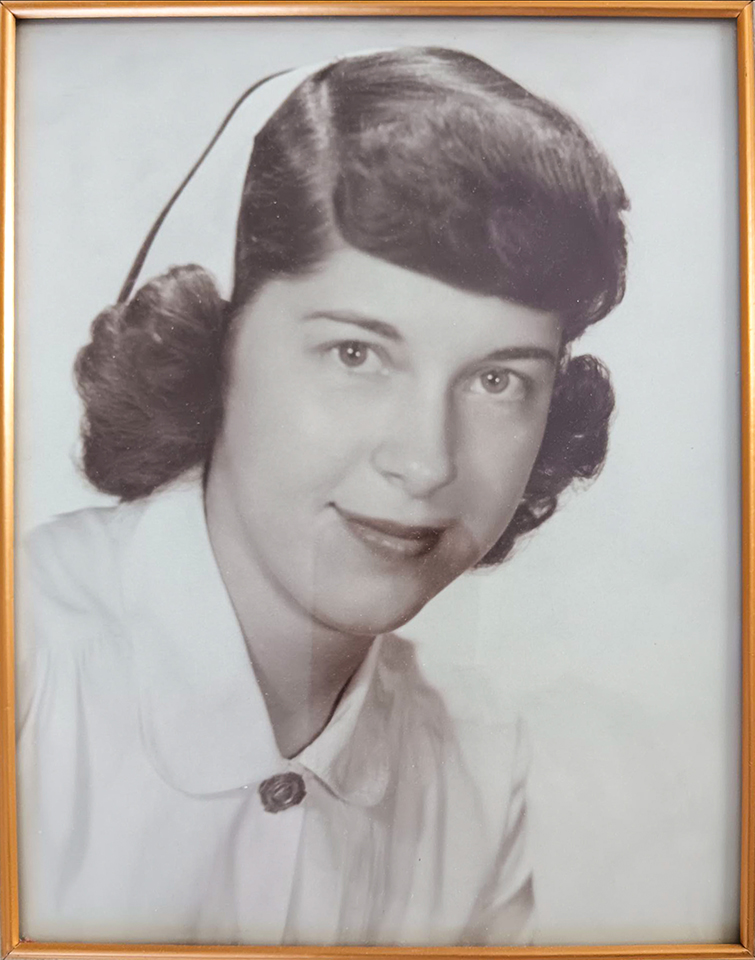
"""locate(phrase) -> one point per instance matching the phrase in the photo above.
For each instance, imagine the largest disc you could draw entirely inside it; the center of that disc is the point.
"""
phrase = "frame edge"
(44, 9)
(104, 951)
(746, 85)
(8, 837)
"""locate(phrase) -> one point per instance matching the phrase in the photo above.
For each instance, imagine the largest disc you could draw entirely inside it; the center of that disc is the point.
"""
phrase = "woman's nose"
(416, 449)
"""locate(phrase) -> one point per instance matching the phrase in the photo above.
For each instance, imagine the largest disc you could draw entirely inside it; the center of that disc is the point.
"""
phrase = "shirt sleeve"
(504, 911)
(64, 639)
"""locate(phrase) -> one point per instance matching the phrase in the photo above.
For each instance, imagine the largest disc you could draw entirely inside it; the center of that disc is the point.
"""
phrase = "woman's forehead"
(354, 288)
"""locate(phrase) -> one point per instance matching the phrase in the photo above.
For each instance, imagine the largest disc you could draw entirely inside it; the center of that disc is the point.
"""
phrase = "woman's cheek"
(345, 405)
(332, 431)
(498, 464)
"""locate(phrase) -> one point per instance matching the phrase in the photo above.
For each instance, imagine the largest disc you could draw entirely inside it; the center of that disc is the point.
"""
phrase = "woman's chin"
(365, 598)
(364, 616)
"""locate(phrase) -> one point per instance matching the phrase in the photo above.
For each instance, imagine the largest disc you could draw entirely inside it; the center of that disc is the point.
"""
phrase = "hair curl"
(425, 158)
(150, 379)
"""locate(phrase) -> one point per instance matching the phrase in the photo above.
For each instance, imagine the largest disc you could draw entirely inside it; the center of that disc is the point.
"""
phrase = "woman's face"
(380, 427)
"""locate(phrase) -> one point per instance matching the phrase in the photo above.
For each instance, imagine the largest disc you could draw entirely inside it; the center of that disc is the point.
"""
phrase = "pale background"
(615, 630)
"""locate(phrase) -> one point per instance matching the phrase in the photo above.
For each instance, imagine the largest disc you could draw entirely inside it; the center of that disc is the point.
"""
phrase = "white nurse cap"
(198, 224)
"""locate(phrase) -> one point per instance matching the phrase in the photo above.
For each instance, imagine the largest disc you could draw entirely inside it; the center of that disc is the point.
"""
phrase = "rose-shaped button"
(282, 791)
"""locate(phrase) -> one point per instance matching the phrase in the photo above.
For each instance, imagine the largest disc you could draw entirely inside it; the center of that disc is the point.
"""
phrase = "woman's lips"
(389, 538)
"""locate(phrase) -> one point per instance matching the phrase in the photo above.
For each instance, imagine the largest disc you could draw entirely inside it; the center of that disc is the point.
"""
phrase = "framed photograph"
(377, 485)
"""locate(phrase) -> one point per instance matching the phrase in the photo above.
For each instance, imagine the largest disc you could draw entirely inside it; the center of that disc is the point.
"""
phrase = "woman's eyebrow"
(523, 353)
(358, 320)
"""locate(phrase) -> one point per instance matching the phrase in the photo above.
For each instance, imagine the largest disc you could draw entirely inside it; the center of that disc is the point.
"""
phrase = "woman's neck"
(301, 666)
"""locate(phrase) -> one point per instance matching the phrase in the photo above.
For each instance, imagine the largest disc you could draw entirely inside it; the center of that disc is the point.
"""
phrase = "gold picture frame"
(13, 11)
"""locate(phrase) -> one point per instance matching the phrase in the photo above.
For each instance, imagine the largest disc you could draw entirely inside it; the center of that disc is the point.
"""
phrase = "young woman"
(222, 741)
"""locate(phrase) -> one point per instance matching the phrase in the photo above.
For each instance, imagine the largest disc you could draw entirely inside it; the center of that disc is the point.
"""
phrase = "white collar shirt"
(145, 738)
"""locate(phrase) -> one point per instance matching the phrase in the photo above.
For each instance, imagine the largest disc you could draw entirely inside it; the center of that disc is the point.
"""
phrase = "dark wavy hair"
(427, 158)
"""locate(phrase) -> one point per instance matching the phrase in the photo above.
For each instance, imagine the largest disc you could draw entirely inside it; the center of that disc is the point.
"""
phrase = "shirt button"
(282, 791)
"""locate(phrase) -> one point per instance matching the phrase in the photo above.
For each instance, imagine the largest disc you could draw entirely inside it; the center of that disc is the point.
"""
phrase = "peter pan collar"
(205, 726)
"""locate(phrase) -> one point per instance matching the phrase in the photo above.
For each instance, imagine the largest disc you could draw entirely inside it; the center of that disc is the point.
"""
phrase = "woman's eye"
(352, 354)
(499, 383)
(357, 355)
